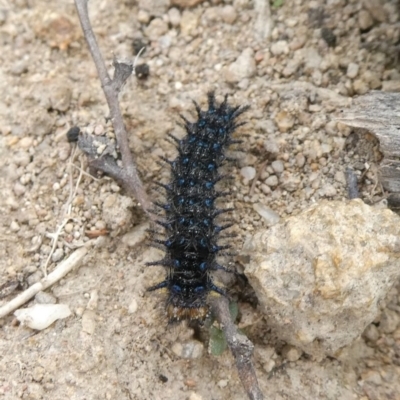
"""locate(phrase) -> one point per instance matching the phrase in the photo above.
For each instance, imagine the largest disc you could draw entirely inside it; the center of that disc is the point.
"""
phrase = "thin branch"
(111, 88)
(62, 269)
(241, 348)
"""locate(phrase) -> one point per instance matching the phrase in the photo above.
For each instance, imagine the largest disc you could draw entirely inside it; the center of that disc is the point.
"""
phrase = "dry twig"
(241, 348)
(127, 175)
(62, 269)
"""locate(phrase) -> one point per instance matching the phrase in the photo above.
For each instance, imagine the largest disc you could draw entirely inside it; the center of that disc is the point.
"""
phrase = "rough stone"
(243, 67)
(321, 276)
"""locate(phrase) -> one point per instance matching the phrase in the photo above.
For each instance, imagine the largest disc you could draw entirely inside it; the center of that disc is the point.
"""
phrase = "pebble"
(133, 306)
(290, 182)
(189, 23)
(277, 166)
(300, 160)
(60, 97)
(38, 374)
(14, 227)
(371, 333)
(154, 7)
(389, 321)
(185, 3)
(243, 67)
(272, 181)
(174, 17)
(340, 177)
(26, 142)
(191, 349)
(45, 298)
(143, 17)
(156, 29)
(22, 158)
(360, 86)
(248, 173)
(89, 322)
(284, 120)
(371, 376)
(352, 70)
(365, 20)
(19, 189)
(229, 14)
(328, 190)
(57, 255)
(291, 353)
(40, 122)
(136, 236)
(280, 47)
(270, 216)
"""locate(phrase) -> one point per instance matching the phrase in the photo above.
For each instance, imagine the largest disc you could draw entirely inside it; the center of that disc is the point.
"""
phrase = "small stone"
(372, 376)
(229, 14)
(22, 158)
(185, 3)
(352, 70)
(156, 29)
(328, 190)
(360, 86)
(300, 160)
(371, 333)
(57, 255)
(26, 142)
(389, 321)
(154, 7)
(68, 228)
(38, 374)
(222, 383)
(60, 97)
(340, 177)
(265, 189)
(174, 16)
(40, 122)
(133, 306)
(89, 322)
(189, 23)
(14, 227)
(143, 17)
(191, 349)
(280, 47)
(136, 236)
(284, 120)
(376, 9)
(45, 298)
(290, 182)
(64, 151)
(248, 173)
(243, 67)
(365, 20)
(277, 166)
(291, 353)
(270, 216)
(272, 181)
(19, 189)
(329, 37)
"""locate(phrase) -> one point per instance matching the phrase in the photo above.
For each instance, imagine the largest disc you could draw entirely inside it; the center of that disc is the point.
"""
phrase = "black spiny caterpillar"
(190, 223)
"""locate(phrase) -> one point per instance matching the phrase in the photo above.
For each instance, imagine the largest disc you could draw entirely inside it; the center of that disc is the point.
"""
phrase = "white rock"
(269, 215)
(352, 70)
(248, 173)
(320, 276)
(40, 316)
(243, 67)
(280, 47)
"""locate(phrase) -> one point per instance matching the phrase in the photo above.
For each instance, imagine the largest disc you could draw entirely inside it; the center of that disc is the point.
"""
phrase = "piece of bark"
(379, 113)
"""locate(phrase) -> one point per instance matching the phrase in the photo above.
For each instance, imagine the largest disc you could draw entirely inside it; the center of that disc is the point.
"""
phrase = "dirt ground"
(117, 344)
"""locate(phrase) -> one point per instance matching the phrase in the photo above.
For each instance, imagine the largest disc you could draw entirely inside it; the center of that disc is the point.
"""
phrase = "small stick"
(61, 270)
(128, 175)
(241, 348)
